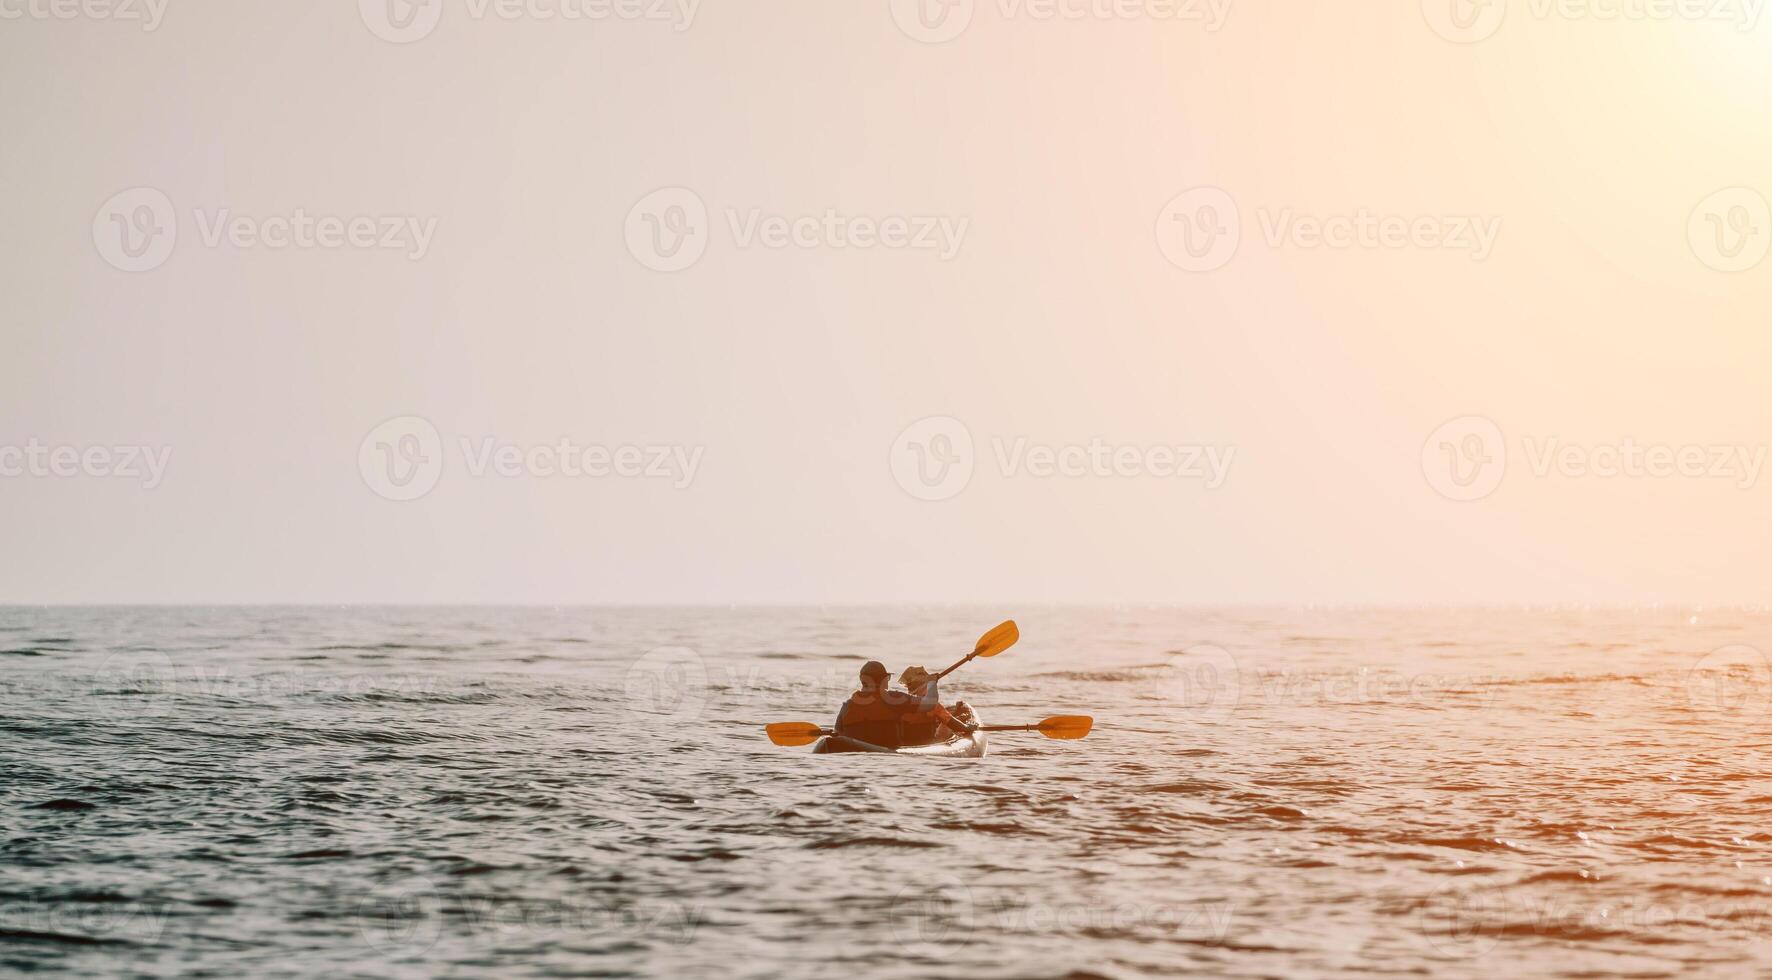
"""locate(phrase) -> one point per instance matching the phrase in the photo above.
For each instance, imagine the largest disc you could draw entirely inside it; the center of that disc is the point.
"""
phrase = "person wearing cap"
(873, 713)
(927, 721)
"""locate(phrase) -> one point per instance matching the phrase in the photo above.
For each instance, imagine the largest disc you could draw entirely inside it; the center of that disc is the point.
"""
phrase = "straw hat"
(914, 678)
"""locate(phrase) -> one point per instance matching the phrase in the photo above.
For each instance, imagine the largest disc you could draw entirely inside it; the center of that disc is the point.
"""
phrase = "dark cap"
(874, 668)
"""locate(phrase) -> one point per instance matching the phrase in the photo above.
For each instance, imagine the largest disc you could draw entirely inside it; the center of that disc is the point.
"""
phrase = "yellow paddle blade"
(1066, 726)
(997, 640)
(794, 733)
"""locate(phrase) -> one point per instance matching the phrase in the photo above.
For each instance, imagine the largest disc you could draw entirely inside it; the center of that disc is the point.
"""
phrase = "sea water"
(535, 792)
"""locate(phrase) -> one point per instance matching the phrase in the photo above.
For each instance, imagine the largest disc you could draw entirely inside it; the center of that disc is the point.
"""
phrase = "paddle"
(795, 732)
(1062, 727)
(1000, 638)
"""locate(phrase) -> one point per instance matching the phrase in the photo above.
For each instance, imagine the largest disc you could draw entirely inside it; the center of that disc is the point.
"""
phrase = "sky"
(1153, 301)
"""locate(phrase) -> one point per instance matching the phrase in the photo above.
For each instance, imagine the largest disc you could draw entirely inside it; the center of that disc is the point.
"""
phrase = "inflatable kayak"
(959, 747)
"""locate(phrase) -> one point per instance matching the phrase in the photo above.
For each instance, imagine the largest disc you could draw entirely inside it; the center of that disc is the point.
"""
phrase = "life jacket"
(873, 717)
(921, 721)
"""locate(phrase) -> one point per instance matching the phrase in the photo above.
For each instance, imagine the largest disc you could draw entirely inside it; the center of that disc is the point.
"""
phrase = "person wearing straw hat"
(927, 721)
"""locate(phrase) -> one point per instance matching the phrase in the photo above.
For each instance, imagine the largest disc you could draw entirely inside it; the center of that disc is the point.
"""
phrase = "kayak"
(959, 747)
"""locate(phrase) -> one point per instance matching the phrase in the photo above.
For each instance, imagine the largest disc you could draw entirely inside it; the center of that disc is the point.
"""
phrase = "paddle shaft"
(981, 728)
(963, 662)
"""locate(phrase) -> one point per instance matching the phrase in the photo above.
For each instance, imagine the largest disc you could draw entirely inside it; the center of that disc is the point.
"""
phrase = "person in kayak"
(927, 722)
(874, 713)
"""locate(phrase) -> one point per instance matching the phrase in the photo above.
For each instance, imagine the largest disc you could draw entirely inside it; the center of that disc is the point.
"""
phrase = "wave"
(1488, 844)
(58, 938)
(1137, 672)
(1561, 680)
(65, 805)
(841, 843)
